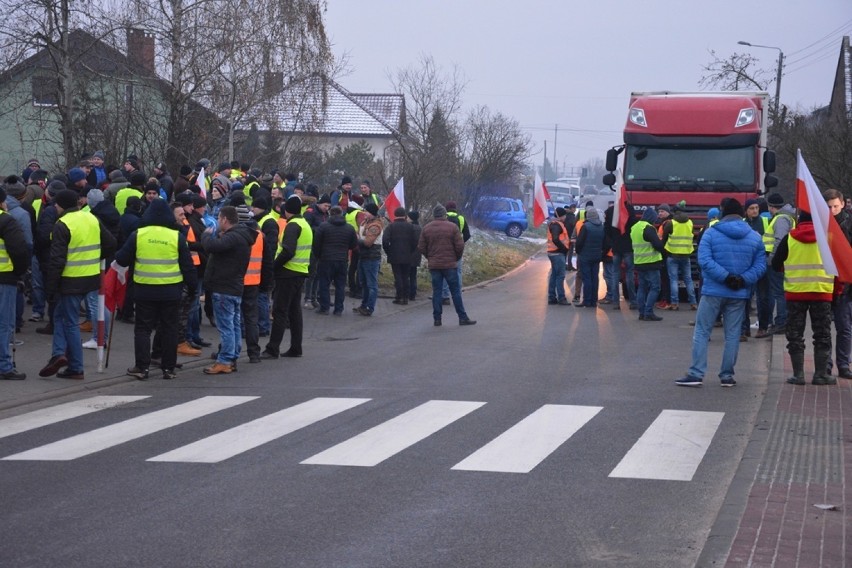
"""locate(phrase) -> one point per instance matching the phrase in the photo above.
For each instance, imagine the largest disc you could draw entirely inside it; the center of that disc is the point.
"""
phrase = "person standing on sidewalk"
(783, 220)
(842, 303)
(15, 256)
(442, 244)
(78, 243)
(558, 243)
(162, 268)
(399, 240)
(227, 260)
(647, 259)
(732, 259)
(370, 258)
(808, 288)
(291, 267)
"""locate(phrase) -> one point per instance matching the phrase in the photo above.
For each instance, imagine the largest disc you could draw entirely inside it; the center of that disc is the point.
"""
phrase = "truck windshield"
(697, 169)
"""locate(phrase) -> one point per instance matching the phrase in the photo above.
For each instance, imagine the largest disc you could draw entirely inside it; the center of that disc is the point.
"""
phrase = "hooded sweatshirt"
(730, 248)
(649, 234)
(803, 233)
(668, 228)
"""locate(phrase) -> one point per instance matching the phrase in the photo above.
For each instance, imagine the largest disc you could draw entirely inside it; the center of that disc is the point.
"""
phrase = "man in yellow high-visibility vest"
(14, 261)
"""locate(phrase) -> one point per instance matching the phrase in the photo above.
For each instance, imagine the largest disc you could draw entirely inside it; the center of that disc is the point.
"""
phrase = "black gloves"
(735, 282)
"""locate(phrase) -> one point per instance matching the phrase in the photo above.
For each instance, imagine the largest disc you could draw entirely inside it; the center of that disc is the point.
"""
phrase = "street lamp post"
(777, 78)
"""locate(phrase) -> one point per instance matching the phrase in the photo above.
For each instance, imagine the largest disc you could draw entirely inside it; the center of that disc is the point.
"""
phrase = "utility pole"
(544, 163)
(555, 168)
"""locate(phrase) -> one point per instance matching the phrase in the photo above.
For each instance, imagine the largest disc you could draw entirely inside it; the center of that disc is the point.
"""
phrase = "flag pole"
(101, 310)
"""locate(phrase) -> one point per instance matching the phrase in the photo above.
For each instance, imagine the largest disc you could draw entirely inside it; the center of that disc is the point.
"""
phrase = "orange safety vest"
(190, 238)
(564, 238)
(252, 275)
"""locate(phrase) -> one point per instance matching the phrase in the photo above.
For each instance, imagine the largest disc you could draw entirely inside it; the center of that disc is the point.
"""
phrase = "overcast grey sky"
(574, 63)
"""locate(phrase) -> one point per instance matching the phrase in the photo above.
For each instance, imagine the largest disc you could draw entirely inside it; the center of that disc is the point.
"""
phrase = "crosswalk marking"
(383, 441)
(530, 441)
(109, 436)
(252, 434)
(672, 447)
(61, 412)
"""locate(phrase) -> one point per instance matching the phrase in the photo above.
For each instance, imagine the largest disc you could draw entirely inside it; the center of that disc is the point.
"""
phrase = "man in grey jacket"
(783, 220)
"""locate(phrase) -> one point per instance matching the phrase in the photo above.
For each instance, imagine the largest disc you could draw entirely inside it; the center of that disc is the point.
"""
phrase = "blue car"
(502, 214)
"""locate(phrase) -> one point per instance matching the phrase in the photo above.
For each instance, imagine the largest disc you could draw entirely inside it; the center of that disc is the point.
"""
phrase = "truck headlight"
(637, 117)
(746, 116)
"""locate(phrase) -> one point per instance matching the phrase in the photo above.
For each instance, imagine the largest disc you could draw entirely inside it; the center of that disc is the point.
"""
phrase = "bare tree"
(738, 72)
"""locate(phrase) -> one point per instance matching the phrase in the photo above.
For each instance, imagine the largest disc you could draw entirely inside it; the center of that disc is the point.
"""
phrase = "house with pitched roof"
(298, 123)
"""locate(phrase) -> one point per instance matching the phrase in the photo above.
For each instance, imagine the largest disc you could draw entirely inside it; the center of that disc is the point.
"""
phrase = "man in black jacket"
(228, 257)
(399, 240)
(332, 242)
(15, 254)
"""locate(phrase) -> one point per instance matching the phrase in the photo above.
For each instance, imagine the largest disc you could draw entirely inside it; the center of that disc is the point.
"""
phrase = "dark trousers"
(842, 309)
(354, 283)
(400, 280)
(286, 309)
(589, 273)
(328, 273)
(311, 282)
(160, 316)
(248, 308)
(412, 281)
(797, 314)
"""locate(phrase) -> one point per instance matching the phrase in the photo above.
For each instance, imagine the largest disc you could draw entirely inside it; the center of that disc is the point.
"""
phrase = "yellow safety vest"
(769, 233)
(84, 248)
(712, 222)
(123, 195)
(302, 259)
(643, 251)
(37, 202)
(680, 241)
(352, 219)
(5, 261)
(252, 275)
(157, 256)
(459, 217)
(803, 269)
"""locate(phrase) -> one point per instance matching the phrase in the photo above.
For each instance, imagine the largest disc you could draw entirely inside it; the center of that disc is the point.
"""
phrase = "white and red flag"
(201, 182)
(833, 247)
(396, 198)
(619, 211)
(540, 199)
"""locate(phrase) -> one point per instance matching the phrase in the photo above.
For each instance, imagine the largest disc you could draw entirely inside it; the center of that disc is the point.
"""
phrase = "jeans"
(843, 325)
(8, 292)
(39, 298)
(332, 272)
(611, 291)
(445, 291)
(66, 331)
(226, 309)
(589, 272)
(556, 279)
(776, 297)
(264, 322)
(450, 277)
(709, 309)
(92, 312)
(161, 317)
(627, 259)
(286, 312)
(649, 289)
(368, 275)
(680, 269)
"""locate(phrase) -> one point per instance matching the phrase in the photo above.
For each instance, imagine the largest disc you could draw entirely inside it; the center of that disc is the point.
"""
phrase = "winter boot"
(821, 376)
(798, 361)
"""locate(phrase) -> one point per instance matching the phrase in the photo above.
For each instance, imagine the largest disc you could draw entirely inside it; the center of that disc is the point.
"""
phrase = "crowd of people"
(248, 249)
(761, 252)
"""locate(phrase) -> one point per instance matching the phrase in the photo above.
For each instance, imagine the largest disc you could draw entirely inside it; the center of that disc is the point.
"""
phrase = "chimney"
(140, 50)
(273, 83)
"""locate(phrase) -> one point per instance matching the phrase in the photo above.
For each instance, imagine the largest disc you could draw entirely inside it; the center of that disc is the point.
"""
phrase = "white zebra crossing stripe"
(672, 447)
(115, 434)
(383, 441)
(252, 434)
(530, 441)
(60, 413)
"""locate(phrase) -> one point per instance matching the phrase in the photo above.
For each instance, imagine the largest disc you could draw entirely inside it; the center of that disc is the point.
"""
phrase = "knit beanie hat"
(75, 175)
(244, 213)
(67, 198)
(732, 207)
(116, 176)
(13, 186)
(664, 207)
(414, 215)
(649, 215)
(94, 197)
(260, 203)
(750, 202)
(775, 200)
(560, 212)
(138, 179)
(198, 201)
(399, 213)
(439, 211)
(293, 205)
(713, 213)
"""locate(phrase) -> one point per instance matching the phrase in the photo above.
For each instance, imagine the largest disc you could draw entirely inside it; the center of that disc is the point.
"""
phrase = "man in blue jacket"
(732, 259)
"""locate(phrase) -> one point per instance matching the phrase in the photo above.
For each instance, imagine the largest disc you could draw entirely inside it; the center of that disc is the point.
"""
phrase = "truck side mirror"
(609, 179)
(611, 160)
(769, 161)
(770, 181)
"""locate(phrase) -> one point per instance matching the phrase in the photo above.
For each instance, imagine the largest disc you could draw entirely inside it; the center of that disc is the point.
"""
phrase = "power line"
(828, 35)
(831, 47)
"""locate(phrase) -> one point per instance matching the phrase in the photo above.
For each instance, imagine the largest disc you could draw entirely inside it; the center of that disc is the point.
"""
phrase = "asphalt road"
(542, 436)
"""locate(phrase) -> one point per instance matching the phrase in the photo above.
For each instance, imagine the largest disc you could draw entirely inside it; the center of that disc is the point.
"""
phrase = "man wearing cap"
(15, 256)
(782, 222)
(78, 243)
(228, 253)
(442, 244)
(558, 242)
(340, 196)
(370, 258)
(291, 267)
(732, 259)
(399, 240)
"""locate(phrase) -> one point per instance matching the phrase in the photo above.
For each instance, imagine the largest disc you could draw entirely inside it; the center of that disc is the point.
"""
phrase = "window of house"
(45, 91)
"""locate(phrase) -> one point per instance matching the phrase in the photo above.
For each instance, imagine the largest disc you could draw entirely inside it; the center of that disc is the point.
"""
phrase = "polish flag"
(201, 182)
(540, 199)
(396, 198)
(619, 212)
(833, 247)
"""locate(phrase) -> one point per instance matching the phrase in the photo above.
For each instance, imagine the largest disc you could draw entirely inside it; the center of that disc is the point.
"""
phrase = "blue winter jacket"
(730, 247)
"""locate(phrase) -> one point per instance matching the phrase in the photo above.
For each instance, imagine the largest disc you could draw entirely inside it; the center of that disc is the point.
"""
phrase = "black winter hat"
(293, 205)
(260, 203)
(732, 207)
(775, 200)
(67, 198)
